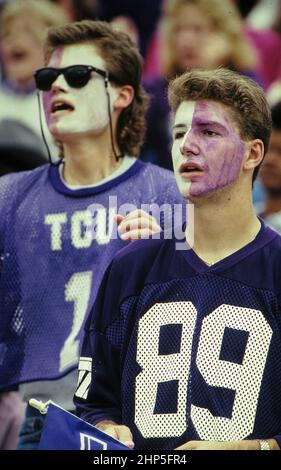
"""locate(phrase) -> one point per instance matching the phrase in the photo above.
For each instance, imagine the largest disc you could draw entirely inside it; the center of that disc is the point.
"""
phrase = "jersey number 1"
(77, 290)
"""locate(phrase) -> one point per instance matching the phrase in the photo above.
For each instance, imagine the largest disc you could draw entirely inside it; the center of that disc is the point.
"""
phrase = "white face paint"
(89, 113)
(185, 117)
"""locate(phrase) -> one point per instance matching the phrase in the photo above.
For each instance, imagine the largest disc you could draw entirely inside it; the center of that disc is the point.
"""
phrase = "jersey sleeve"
(97, 396)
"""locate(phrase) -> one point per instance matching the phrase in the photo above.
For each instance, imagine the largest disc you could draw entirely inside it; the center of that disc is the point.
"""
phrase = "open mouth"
(61, 106)
(190, 168)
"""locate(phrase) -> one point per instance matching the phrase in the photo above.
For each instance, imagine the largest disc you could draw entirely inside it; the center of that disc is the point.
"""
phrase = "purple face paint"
(55, 61)
(208, 150)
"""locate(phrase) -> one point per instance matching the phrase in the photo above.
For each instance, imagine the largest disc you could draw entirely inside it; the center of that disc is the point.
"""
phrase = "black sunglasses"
(76, 76)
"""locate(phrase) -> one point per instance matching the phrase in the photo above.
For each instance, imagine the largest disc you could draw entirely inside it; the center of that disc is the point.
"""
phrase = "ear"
(255, 154)
(125, 96)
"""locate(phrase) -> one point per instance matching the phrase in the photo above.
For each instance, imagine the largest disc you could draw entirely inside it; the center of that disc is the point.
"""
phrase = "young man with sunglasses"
(57, 222)
(186, 353)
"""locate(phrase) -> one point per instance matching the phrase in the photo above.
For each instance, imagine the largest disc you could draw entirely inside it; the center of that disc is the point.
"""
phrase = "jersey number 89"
(245, 378)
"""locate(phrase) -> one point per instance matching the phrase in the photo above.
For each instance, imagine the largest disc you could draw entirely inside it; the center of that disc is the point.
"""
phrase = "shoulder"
(135, 261)
(163, 175)
(136, 248)
(267, 262)
(274, 249)
(275, 241)
(162, 181)
(125, 278)
(20, 179)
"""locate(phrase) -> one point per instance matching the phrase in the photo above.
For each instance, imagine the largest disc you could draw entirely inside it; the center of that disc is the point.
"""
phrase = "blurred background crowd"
(173, 36)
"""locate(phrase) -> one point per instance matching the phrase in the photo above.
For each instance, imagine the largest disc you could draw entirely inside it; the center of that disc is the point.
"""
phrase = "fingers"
(110, 431)
(137, 224)
(125, 436)
(119, 432)
(118, 218)
(187, 446)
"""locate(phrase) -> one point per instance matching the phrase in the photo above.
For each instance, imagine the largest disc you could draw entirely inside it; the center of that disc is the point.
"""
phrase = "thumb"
(125, 436)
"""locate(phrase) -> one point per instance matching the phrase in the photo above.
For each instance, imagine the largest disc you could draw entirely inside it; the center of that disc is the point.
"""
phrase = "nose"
(59, 84)
(189, 144)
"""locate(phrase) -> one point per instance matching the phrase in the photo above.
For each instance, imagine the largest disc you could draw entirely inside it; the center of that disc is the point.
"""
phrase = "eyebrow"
(178, 126)
(208, 122)
(201, 123)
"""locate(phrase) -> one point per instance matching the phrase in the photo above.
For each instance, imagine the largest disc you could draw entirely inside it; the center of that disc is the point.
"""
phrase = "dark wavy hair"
(123, 62)
(243, 96)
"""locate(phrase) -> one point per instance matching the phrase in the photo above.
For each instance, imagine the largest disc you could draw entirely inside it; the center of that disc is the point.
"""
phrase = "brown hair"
(123, 62)
(224, 17)
(243, 96)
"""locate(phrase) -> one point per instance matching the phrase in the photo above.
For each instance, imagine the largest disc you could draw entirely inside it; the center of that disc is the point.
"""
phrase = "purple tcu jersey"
(55, 246)
(180, 351)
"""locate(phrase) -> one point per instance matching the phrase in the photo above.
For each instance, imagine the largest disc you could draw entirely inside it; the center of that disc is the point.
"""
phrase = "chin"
(185, 191)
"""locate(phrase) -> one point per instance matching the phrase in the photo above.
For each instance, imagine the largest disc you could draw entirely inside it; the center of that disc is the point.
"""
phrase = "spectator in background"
(271, 174)
(23, 27)
(144, 13)
(193, 34)
(126, 25)
(77, 10)
(274, 92)
(266, 42)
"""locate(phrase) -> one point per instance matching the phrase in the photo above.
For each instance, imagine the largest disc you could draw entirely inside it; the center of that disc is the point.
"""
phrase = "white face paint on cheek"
(90, 104)
(184, 118)
(91, 111)
(55, 61)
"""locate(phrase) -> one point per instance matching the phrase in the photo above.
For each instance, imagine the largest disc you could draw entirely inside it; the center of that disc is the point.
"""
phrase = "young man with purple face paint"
(185, 353)
(57, 230)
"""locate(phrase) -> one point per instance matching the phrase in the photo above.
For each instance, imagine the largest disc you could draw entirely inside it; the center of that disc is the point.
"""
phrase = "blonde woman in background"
(23, 27)
(192, 34)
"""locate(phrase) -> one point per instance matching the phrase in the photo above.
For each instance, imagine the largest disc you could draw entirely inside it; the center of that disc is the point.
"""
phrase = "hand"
(117, 431)
(137, 224)
(220, 445)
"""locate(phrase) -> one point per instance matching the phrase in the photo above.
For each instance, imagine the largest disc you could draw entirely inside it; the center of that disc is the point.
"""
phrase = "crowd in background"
(173, 36)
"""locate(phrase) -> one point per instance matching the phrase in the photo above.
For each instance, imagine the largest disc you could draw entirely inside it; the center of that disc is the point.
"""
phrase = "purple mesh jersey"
(55, 246)
(180, 351)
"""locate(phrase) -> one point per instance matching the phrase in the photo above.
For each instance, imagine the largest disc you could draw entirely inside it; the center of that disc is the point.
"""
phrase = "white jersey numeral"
(244, 379)
(77, 290)
(162, 368)
(84, 377)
